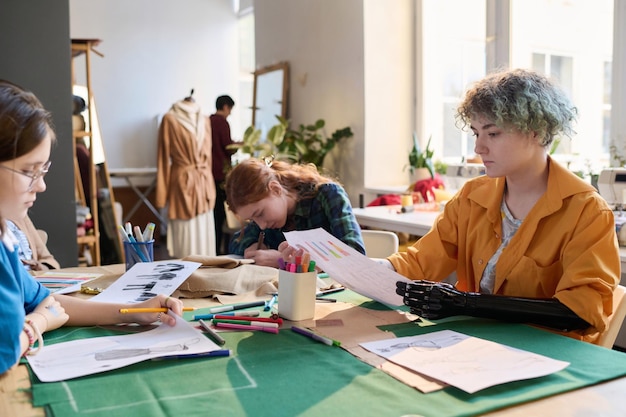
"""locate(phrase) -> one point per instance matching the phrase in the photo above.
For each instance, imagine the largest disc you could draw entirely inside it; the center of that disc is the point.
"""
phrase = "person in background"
(529, 241)
(27, 310)
(32, 250)
(220, 131)
(278, 197)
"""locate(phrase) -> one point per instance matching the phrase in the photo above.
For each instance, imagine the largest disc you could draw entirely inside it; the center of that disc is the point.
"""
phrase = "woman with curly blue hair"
(529, 241)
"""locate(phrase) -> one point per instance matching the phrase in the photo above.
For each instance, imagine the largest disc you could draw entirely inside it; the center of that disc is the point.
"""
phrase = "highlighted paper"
(468, 363)
(64, 282)
(350, 268)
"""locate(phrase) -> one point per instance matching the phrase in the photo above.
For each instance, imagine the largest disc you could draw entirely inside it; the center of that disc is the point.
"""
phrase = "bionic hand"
(436, 300)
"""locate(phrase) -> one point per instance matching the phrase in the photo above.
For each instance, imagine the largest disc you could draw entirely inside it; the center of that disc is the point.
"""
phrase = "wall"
(390, 97)
(323, 43)
(352, 65)
(155, 52)
(34, 36)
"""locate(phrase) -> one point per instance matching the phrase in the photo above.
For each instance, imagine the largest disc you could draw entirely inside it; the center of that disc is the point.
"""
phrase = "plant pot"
(418, 175)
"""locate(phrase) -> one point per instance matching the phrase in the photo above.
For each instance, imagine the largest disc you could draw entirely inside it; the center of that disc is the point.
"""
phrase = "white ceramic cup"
(296, 295)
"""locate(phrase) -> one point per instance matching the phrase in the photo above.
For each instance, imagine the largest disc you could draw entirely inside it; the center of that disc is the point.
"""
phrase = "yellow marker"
(151, 310)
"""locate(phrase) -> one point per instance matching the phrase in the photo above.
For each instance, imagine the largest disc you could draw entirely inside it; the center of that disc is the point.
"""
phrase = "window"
(550, 36)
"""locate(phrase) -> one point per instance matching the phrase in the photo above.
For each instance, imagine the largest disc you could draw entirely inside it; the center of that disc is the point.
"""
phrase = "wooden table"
(602, 399)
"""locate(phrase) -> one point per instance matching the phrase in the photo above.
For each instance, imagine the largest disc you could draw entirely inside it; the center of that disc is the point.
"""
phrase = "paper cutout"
(466, 362)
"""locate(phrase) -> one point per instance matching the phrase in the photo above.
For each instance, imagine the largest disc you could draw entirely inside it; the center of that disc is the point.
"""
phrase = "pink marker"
(246, 327)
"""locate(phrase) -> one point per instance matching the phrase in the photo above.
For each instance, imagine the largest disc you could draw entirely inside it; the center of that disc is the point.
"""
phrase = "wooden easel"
(98, 171)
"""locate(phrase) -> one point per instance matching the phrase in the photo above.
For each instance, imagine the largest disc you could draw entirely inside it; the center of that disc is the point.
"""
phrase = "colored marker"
(216, 337)
(148, 232)
(270, 303)
(312, 266)
(330, 291)
(237, 307)
(213, 353)
(243, 318)
(151, 310)
(315, 336)
(326, 300)
(322, 275)
(230, 314)
(139, 252)
(246, 327)
(248, 323)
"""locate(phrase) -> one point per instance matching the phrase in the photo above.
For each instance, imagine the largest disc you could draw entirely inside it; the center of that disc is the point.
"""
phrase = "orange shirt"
(565, 248)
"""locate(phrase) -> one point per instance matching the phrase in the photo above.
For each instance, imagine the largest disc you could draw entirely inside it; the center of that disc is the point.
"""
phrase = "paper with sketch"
(466, 362)
(82, 357)
(347, 266)
(146, 280)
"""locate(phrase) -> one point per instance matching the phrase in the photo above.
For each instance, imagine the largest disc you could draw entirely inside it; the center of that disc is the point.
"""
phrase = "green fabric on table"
(291, 375)
(589, 365)
(267, 375)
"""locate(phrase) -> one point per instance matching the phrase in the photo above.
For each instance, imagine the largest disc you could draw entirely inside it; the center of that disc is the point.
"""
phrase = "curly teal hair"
(520, 99)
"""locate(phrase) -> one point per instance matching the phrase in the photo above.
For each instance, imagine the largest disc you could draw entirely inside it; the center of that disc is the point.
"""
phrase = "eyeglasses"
(33, 175)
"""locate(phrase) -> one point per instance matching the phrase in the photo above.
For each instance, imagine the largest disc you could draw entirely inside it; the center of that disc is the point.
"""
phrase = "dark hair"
(24, 123)
(224, 101)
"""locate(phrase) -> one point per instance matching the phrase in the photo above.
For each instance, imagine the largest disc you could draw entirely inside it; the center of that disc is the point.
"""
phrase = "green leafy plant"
(307, 144)
(421, 159)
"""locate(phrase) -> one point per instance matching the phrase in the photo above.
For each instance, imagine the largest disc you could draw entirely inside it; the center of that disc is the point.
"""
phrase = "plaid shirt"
(330, 209)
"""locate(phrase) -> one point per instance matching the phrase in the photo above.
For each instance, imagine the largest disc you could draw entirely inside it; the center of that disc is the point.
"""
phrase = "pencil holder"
(135, 252)
(296, 295)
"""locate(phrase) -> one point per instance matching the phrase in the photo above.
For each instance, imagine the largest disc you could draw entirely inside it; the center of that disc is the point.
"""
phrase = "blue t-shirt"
(329, 209)
(20, 293)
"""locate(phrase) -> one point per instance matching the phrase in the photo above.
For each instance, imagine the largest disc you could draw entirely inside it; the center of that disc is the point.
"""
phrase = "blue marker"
(220, 352)
(270, 303)
(230, 313)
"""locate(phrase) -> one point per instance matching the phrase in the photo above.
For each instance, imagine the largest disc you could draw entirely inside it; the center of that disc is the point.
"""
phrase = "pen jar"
(296, 295)
(135, 252)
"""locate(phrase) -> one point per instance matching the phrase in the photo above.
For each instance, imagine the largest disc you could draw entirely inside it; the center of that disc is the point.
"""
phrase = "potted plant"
(305, 145)
(308, 144)
(421, 162)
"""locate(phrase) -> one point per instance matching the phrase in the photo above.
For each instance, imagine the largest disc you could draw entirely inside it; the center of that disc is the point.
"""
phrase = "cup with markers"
(138, 244)
(297, 288)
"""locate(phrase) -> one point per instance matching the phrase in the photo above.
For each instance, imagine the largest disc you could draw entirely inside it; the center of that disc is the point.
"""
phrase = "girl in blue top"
(27, 310)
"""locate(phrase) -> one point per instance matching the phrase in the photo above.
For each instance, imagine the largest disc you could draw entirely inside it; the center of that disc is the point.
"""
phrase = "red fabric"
(426, 187)
(386, 200)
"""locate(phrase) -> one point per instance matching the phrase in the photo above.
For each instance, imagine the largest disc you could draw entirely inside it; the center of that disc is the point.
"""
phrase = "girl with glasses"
(27, 310)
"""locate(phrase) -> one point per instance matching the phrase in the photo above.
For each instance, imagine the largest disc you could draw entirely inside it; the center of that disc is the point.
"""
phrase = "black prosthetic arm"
(436, 300)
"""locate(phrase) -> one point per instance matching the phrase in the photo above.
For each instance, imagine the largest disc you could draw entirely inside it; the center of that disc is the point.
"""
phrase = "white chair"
(607, 339)
(380, 243)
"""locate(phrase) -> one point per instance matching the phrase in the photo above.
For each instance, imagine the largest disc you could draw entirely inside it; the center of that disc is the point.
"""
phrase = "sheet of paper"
(468, 363)
(349, 267)
(146, 280)
(82, 357)
(64, 282)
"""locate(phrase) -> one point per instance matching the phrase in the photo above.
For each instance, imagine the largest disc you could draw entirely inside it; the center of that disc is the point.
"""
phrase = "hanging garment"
(185, 180)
